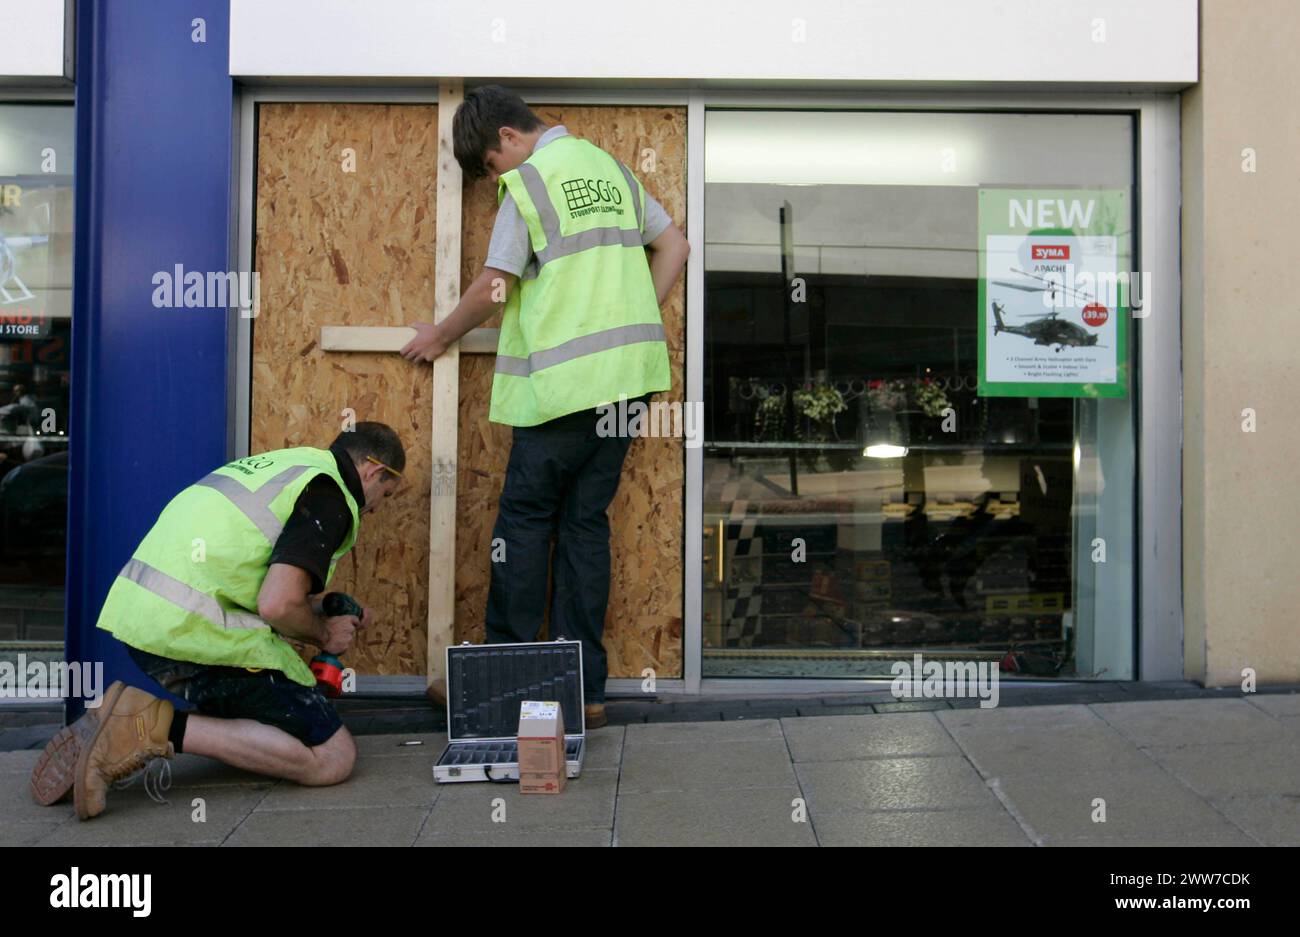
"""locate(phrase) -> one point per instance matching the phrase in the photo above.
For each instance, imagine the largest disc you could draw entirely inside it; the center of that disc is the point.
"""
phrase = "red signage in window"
(1095, 315)
(1051, 251)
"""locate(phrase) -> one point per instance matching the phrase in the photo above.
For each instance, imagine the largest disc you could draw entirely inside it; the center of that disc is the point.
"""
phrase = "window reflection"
(861, 500)
(36, 212)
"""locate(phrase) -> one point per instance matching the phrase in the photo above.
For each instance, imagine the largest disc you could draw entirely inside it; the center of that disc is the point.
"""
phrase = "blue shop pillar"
(153, 190)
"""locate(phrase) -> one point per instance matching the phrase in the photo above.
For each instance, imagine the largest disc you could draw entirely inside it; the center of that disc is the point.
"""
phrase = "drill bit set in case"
(485, 685)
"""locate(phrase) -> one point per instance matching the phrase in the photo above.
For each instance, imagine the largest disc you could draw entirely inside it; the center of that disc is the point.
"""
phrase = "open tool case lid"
(487, 682)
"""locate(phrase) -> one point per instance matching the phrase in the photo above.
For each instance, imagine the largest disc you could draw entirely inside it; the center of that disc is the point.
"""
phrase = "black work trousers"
(561, 478)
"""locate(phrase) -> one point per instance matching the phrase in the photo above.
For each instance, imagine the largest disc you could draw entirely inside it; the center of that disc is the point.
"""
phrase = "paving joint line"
(799, 784)
(994, 785)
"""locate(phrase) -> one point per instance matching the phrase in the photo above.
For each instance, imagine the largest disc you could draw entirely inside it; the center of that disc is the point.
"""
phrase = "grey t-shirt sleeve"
(656, 220)
(509, 249)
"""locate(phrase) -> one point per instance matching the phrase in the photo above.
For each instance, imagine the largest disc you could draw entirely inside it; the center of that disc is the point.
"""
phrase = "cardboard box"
(541, 747)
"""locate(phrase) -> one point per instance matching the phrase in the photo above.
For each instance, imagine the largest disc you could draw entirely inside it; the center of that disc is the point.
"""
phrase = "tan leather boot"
(594, 715)
(126, 739)
(56, 769)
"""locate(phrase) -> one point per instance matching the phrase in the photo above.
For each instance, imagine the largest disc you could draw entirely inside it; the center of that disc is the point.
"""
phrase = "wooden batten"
(393, 338)
(446, 390)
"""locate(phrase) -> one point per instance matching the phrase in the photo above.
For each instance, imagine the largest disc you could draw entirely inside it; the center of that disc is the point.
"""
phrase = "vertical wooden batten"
(446, 392)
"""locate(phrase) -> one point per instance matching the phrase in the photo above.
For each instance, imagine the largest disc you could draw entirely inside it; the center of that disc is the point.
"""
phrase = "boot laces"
(157, 773)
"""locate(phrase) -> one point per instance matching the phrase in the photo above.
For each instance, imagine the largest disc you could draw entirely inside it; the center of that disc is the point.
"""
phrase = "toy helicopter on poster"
(1048, 329)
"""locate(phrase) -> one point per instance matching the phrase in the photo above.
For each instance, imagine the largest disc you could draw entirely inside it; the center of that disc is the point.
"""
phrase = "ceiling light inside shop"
(812, 147)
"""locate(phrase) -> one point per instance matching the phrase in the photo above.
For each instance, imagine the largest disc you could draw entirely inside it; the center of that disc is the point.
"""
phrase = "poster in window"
(1054, 292)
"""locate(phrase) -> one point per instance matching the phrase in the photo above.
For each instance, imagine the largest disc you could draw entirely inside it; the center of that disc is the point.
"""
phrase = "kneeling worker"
(224, 576)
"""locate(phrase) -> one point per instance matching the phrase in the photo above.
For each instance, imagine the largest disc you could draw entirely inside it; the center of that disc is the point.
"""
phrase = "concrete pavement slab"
(1040, 751)
(604, 749)
(705, 766)
(198, 771)
(695, 732)
(991, 826)
(431, 744)
(1019, 717)
(1191, 839)
(1276, 704)
(1192, 722)
(844, 738)
(514, 837)
(1273, 820)
(1219, 771)
(30, 832)
(17, 806)
(132, 819)
(587, 803)
(712, 818)
(20, 762)
(933, 782)
(339, 826)
(375, 782)
(1223, 771)
(1138, 803)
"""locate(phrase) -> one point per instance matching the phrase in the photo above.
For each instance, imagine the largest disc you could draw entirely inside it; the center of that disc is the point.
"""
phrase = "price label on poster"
(1053, 292)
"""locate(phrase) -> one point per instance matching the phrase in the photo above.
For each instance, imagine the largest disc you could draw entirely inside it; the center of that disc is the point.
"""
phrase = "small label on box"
(535, 709)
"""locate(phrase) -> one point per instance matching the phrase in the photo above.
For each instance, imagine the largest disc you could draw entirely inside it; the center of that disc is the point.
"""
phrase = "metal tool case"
(485, 685)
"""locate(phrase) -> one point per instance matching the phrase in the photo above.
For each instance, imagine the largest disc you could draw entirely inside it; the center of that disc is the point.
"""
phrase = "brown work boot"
(56, 769)
(594, 715)
(127, 738)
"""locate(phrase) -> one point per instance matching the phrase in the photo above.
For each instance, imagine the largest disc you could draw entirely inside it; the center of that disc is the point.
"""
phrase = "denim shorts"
(266, 696)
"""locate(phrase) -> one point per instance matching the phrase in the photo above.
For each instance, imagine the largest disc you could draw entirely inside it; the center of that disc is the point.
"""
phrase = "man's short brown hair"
(476, 127)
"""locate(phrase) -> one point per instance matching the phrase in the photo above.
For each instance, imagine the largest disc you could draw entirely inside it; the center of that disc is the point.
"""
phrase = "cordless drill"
(327, 667)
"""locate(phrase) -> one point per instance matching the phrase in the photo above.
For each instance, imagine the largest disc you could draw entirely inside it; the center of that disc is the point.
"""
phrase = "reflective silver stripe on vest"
(187, 597)
(541, 200)
(562, 245)
(632, 187)
(586, 240)
(577, 347)
(255, 505)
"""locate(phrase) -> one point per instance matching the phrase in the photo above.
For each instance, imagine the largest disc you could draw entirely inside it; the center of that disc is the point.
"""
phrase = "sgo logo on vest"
(585, 196)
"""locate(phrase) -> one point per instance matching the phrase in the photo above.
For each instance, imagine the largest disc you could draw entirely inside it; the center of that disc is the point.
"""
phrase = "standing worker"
(581, 328)
(232, 567)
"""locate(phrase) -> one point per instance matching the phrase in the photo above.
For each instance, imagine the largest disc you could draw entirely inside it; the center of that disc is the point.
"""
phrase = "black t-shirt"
(319, 523)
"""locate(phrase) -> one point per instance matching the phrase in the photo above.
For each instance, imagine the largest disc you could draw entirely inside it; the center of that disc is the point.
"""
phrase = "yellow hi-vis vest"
(189, 592)
(586, 329)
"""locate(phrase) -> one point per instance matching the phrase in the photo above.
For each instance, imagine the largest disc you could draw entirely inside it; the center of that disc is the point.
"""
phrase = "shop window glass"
(36, 217)
(863, 499)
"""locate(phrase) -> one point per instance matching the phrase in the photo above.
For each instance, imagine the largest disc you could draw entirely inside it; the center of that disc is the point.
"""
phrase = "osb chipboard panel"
(644, 624)
(336, 247)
